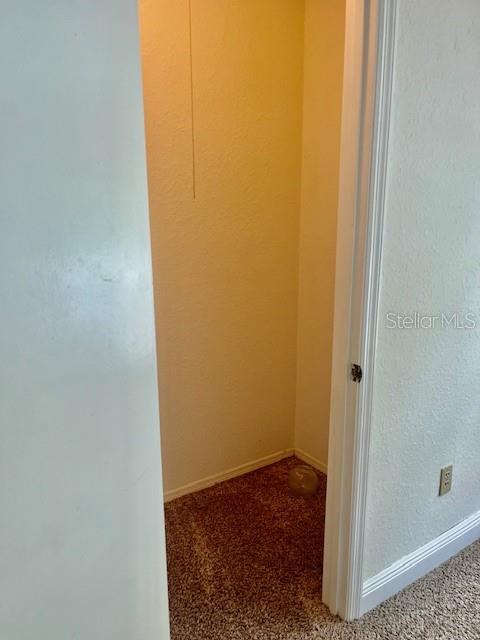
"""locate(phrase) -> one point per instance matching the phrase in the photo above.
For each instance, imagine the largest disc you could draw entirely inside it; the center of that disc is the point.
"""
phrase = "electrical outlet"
(445, 480)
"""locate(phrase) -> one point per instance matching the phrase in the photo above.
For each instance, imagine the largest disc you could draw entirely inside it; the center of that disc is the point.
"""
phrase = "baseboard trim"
(417, 564)
(209, 481)
(314, 462)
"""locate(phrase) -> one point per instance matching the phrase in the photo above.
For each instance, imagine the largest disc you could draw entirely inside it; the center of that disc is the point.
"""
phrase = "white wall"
(322, 98)
(427, 382)
(81, 535)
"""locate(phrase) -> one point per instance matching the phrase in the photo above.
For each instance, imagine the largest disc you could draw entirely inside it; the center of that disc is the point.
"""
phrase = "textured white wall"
(81, 535)
(427, 382)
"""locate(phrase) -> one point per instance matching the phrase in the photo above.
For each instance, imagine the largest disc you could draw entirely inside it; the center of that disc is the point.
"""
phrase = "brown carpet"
(245, 562)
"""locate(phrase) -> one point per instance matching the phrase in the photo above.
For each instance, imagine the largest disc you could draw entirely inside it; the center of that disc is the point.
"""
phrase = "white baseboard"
(209, 481)
(417, 564)
(313, 462)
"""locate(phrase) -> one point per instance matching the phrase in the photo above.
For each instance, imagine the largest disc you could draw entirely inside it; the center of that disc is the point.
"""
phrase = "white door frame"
(369, 53)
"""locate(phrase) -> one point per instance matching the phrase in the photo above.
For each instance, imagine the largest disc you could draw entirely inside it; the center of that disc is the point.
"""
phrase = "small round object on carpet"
(303, 481)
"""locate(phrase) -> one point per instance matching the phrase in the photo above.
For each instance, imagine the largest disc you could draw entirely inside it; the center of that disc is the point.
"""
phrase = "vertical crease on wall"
(192, 102)
(299, 228)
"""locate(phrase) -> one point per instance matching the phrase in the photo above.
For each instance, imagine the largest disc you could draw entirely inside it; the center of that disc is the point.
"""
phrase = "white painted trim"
(417, 564)
(367, 292)
(369, 53)
(334, 576)
(209, 481)
(311, 460)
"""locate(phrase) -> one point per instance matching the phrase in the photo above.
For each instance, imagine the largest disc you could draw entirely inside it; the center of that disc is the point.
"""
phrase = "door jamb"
(366, 105)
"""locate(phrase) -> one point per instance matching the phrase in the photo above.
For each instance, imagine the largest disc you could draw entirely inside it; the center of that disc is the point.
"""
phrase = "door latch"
(356, 372)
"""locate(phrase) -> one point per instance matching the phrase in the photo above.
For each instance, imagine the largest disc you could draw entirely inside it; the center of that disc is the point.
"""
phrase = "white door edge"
(368, 71)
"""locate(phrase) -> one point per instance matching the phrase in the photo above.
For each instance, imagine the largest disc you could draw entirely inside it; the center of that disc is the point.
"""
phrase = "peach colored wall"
(323, 79)
(226, 263)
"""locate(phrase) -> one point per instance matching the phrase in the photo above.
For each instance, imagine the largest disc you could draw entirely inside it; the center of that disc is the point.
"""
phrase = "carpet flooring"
(245, 562)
